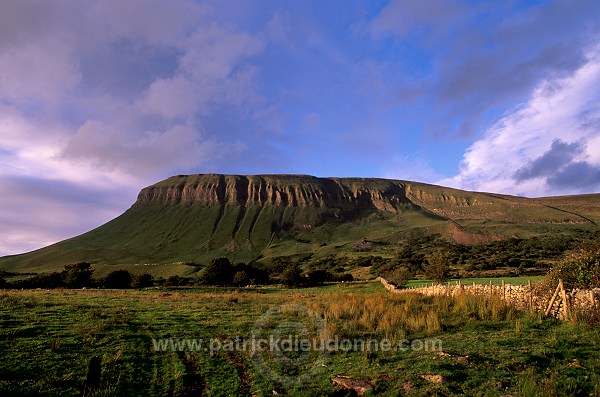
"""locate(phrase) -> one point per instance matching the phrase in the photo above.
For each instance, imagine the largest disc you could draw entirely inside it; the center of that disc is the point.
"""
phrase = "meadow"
(154, 343)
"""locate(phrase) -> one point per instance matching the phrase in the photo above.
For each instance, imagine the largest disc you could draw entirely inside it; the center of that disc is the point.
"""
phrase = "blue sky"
(99, 99)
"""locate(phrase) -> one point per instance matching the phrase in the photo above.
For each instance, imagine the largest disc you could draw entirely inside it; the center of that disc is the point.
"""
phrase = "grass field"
(60, 342)
(521, 280)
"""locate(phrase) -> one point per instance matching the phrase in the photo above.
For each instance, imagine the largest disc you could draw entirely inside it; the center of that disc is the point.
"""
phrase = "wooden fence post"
(552, 299)
(503, 291)
(530, 295)
(565, 300)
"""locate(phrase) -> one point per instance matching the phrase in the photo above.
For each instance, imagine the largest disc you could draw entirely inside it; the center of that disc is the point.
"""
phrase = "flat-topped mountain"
(192, 218)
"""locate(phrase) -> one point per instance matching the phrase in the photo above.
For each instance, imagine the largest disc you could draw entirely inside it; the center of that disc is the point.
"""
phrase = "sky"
(99, 99)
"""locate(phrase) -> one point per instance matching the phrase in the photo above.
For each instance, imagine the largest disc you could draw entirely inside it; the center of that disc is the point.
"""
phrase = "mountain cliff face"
(301, 191)
(343, 197)
(285, 191)
(189, 218)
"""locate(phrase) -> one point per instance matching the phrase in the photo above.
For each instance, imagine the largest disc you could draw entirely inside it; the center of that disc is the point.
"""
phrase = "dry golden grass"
(396, 316)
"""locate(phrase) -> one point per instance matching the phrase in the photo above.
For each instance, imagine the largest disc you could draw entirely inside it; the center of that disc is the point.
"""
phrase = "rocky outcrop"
(349, 195)
(297, 191)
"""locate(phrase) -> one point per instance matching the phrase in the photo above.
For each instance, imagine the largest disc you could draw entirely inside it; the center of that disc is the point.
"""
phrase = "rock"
(360, 386)
(434, 378)
(451, 355)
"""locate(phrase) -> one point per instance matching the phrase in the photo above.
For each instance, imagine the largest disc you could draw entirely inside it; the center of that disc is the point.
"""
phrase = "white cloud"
(211, 71)
(39, 70)
(559, 110)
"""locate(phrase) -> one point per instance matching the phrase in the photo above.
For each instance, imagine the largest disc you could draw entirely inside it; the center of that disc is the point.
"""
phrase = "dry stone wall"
(520, 296)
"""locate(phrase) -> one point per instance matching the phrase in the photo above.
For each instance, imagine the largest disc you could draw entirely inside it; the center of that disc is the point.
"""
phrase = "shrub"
(240, 278)
(317, 277)
(253, 274)
(219, 271)
(78, 275)
(362, 245)
(144, 280)
(44, 280)
(400, 276)
(344, 277)
(580, 270)
(292, 276)
(118, 279)
(176, 281)
(437, 266)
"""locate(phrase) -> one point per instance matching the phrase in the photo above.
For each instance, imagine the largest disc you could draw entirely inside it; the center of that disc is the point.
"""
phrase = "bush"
(176, 281)
(343, 277)
(240, 278)
(292, 276)
(400, 276)
(44, 280)
(437, 266)
(580, 270)
(362, 245)
(219, 271)
(78, 275)
(118, 279)
(144, 280)
(318, 277)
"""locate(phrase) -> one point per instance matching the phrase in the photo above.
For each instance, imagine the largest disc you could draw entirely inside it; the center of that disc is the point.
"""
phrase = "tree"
(292, 276)
(144, 280)
(118, 279)
(579, 270)
(240, 278)
(78, 275)
(176, 281)
(437, 266)
(219, 271)
(318, 277)
(45, 280)
(399, 276)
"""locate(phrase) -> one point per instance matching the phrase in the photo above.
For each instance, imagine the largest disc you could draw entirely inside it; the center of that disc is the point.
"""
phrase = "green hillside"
(191, 219)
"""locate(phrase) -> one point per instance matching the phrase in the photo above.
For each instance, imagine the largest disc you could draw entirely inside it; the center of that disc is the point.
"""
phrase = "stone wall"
(521, 296)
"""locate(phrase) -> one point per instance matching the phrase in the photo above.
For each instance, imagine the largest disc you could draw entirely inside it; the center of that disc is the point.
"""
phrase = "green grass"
(47, 339)
(520, 280)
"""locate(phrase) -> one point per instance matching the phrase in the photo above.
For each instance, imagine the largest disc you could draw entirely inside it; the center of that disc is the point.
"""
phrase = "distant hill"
(193, 218)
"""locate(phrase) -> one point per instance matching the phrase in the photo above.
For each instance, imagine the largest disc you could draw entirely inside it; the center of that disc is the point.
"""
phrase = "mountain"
(192, 218)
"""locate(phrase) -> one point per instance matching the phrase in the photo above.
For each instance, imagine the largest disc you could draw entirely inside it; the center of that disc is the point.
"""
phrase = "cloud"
(481, 59)
(37, 211)
(555, 134)
(403, 17)
(103, 98)
(148, 154)
(578, 176)
(210, 72)
(559, 156)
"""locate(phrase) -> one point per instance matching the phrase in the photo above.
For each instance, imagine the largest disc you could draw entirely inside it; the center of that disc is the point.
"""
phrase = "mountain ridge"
(187, 218)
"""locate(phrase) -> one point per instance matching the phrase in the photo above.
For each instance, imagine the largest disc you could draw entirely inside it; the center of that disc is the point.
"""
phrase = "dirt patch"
(241, 367)
(461, 236)
(193, 382)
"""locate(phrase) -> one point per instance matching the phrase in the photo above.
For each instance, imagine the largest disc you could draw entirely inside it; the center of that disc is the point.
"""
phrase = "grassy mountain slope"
(198, 217)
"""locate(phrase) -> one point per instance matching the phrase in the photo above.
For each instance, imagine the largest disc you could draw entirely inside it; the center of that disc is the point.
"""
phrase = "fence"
(558, 303)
